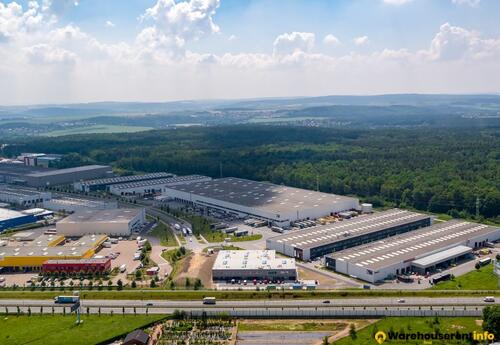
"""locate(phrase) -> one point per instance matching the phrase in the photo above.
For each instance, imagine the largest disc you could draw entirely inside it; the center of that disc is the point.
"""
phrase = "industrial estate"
(85, 226)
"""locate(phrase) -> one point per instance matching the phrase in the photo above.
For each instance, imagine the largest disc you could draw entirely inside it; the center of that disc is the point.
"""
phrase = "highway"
(310, 303)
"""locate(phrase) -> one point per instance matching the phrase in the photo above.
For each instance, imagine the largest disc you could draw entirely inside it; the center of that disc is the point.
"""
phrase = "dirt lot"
(197, 265)
(296, 332)
(324, 281)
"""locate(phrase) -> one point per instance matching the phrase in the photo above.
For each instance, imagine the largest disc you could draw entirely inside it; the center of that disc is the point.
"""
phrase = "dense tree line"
(438, 170)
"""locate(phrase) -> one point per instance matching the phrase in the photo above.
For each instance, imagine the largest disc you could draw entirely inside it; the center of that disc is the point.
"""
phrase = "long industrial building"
(66, 176)
(253, 264)
(117, 222)
(419, 251)
(70, 204)
(22, 196)
(35, 176)
(30, 255)
(105, 183)
(279, 205)
(10, 219)
(318, 241)
(154, 186)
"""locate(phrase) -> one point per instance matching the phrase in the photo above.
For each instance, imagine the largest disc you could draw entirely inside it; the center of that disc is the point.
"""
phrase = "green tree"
(491, 320)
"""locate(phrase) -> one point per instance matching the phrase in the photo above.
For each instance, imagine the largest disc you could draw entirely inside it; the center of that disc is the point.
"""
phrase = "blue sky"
(61, 50)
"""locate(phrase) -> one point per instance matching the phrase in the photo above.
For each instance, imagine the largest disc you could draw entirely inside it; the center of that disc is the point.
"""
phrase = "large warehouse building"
(279, 205)
(253, 264)
(10, 219)
(419, 251)
(154, 186)
(117, 222)
(66, 176)
(105, 183)
(22, 196)
(33, 253)
(315, 242)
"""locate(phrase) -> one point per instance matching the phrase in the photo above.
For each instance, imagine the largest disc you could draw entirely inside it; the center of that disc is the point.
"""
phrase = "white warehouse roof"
(251, 260)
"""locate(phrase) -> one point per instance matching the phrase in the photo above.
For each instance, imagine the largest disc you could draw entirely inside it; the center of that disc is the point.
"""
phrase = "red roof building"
(77, 265)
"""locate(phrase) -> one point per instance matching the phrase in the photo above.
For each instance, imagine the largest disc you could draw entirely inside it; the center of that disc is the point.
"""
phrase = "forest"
(443, 170)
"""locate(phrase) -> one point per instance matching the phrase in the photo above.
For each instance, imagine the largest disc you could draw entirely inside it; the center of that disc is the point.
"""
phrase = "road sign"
(75, 306)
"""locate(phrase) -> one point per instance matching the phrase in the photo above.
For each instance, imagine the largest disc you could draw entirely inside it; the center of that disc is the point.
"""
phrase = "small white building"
(116, 222)
(253, 264)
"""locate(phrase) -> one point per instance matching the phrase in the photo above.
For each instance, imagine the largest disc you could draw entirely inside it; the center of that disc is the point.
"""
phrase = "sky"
(69, 51)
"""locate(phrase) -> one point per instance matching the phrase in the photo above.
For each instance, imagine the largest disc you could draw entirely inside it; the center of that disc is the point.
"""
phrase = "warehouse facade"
(253, 264)
(420, 251)
(116, 222)
(279, 205)
(22, 196)
(318, 241)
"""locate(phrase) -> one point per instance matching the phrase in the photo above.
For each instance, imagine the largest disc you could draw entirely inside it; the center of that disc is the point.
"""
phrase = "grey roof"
(163, 181)
(361, 225)
(106, 216)
(251, 260)
(67, 171)
(261, 195)
(413, 245)
(137, 335)
(442, 256)
(122, 179)
(20, 192)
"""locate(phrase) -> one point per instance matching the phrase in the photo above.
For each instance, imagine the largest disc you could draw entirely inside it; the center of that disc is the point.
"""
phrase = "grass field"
(482, 279)
(97, 129)
(58, 329)
(410, 325)
(243, 295)
(253, 237)
(165, 234)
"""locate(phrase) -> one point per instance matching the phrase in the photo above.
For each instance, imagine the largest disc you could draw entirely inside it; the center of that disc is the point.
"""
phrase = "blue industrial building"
(10, 219)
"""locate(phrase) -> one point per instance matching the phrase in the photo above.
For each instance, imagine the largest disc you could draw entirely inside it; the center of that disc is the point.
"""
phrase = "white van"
(489, 299)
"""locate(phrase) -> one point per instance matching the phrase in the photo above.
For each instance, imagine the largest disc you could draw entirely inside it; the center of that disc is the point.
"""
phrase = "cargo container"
(66, 299)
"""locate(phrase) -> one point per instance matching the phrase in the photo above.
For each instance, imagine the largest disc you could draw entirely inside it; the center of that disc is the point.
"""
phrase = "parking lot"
(125, 250)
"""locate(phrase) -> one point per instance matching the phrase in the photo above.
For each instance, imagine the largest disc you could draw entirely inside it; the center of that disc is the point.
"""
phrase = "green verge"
(164, 234)
(58, 329)
(245, 295)
(411, 325)
(482, 279)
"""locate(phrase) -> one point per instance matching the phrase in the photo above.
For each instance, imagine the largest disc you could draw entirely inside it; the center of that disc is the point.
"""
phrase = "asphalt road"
(259, 304)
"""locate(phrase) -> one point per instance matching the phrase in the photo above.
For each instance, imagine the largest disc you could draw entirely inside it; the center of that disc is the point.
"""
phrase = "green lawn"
(482, 279)
(58, 329)
(410, 325)
(246, 238)
(165, 234)
(291, 326)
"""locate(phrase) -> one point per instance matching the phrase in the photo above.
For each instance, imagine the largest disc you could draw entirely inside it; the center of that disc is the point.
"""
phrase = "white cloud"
(471, 3)
(109, 24)
(289, 43)
(362, 40)
(46, 54)
(231, 38)
(453, 42)
(397, 2)
(184, 20)
(331, 40)
(45, 61)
